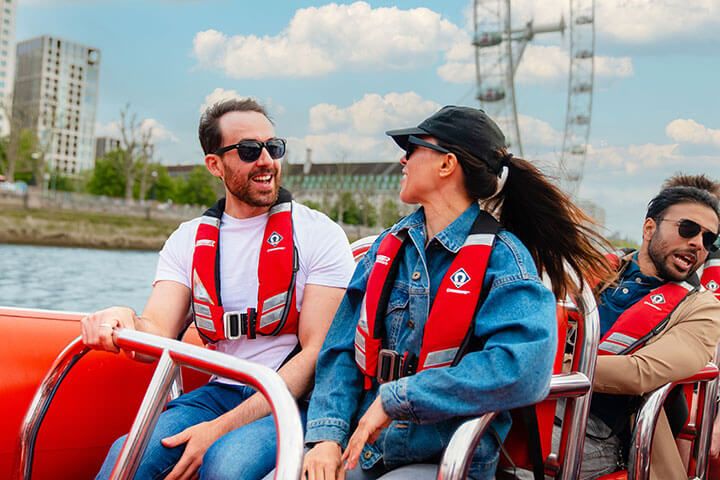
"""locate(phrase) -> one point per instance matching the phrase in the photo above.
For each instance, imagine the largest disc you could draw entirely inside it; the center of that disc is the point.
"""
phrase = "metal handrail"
(172, 354)
(575, 386)
(639, 461)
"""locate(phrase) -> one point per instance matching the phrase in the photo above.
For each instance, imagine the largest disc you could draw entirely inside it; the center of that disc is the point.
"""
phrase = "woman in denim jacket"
(452, 160)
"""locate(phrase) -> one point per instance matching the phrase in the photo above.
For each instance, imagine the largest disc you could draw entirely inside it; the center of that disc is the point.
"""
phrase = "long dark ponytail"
(557, 233)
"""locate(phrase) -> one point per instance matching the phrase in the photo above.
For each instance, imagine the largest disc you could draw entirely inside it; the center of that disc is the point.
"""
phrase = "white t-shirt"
(325, 259)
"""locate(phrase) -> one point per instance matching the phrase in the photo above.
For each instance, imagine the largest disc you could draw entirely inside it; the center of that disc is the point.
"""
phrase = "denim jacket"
(509, 365)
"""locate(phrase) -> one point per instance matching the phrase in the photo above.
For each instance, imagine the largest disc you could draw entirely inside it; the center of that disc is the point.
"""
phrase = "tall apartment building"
(56, 93)
(7, 60)
(105, 145)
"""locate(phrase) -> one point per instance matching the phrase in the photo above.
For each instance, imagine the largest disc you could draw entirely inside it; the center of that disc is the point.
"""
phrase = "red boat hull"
(95, 404)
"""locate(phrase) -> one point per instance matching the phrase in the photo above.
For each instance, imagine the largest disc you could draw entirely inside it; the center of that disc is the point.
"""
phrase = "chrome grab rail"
(30, 426)
(456, 461)
(639, 461)
(575, 386)
(172, 354)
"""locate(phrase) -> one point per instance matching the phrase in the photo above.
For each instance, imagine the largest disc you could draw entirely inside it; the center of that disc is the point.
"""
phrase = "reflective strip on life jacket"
(278, 264)
(645, 319)
(453, 310)
(368, 334)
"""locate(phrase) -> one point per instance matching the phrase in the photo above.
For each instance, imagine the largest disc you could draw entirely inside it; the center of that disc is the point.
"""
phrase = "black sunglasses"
(250, 150)
(413, 142)
(689, 229)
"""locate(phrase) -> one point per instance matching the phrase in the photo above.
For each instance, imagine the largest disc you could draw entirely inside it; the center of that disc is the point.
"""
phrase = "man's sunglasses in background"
(689, 229)
(250, 150)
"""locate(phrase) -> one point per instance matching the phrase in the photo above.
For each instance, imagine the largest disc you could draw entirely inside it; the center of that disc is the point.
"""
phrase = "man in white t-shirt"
(223, 429)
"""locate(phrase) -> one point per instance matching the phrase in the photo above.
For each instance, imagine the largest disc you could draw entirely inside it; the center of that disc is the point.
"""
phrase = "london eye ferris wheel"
(499, 47)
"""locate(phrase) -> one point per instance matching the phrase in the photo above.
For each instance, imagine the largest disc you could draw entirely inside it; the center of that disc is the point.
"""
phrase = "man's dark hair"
(703, 182)
(209, 130)
(674, 195)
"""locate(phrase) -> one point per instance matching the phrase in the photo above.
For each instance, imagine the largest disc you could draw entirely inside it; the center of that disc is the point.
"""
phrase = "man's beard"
(658, 255)
(243, 191)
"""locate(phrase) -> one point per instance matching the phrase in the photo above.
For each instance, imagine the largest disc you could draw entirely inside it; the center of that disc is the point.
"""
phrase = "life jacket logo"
(274, 239)
(205, 243)
(382, 259)
(712, 286)
(657, 299)
(460, 278)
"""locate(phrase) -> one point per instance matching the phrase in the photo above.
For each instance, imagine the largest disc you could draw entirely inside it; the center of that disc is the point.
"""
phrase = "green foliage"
(108, 178)
(164, 187)
(198, 189)
(389, 213)
(313, 205)
(63, 183)
(621, 241)
(351, 214)
(369, 213)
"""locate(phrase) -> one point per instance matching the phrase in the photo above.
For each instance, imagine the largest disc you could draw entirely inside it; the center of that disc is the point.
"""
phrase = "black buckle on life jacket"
(391, 365)
(237, 324)
(248, 323)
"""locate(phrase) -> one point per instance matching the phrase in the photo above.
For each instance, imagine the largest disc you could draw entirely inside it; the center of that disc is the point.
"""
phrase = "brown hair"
(209, 130)
(558, 234)
(702, 181)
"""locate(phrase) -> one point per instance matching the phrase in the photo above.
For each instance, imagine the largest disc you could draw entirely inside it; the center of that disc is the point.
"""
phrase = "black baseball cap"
(468, 128)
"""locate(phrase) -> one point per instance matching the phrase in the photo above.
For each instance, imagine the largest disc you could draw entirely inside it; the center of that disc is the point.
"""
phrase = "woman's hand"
(323, 462)
(371, 424)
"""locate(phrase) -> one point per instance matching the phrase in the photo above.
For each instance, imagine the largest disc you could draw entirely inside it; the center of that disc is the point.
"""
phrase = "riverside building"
(7, 60)
(56, 93)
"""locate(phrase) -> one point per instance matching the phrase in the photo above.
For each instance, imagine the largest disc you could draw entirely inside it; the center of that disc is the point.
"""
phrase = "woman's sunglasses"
(413, 142)
(250, 150)
(689, 229)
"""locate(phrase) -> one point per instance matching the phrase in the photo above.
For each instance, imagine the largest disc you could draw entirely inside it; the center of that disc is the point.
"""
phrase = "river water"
(74, 279)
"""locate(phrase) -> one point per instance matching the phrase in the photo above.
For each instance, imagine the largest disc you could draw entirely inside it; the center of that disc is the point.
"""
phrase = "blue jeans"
(248, 452)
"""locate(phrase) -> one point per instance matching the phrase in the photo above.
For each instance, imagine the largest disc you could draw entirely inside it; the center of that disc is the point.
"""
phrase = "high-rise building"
(56, 92)
(105, 145)
(7, 60)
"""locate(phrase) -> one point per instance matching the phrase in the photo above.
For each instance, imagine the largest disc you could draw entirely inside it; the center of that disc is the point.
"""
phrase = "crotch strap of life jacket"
(448, 329)
(277, 271)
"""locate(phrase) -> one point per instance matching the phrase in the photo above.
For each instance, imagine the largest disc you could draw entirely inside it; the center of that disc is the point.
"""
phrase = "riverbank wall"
(76, 220)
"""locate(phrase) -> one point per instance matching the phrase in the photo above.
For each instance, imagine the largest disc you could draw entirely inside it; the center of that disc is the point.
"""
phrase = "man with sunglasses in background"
(262, 277)
(658, 325)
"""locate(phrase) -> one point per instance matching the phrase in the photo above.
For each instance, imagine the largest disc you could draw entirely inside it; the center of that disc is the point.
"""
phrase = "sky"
(335, 76)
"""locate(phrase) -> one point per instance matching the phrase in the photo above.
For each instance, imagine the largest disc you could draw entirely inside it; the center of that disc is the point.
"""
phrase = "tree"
(389, 213)
(14, 145)
(351, 214)
(108, 177)
(198, 189)
(135, 148)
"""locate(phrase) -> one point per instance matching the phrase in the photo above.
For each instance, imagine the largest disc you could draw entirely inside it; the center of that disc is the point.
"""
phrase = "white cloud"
(690, 131)
(219, 95)
(631, 21)
(538, 133)
(356, 132)
(540, 64)
(160, 133)
(320, 40)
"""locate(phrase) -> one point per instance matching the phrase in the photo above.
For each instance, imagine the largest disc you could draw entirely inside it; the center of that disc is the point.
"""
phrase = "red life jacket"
(276, 312)
(646, 318)
(450, 324)
(711, 273)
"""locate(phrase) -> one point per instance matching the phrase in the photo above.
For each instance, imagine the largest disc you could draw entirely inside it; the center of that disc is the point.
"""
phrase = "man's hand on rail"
(371, 424)
(197, 440)
(323, 462)
(97, 328)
